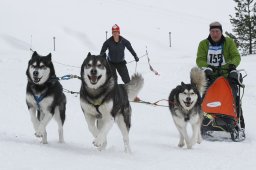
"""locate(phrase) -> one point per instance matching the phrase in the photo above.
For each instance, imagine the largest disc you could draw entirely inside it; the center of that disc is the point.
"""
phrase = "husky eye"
(43, 67)
(192, 93)
(33, 66)
(99, 65)
(89, 65)
(185, 93)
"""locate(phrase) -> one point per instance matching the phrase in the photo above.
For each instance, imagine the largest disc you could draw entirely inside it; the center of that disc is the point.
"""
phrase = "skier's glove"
(231, 67)
(208, 71)
(136, 58)
(213, 68)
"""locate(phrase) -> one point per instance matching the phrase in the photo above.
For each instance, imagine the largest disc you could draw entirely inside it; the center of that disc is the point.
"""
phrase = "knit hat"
(216, 24)
(116, 28)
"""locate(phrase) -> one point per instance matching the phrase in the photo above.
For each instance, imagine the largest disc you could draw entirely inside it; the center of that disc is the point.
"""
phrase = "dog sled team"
(210, 102)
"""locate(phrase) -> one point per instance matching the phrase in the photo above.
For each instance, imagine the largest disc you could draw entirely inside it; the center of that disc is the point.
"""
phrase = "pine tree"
(244, 26)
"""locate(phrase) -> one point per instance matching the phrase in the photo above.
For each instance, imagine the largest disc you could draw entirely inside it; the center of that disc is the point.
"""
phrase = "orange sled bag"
(219, 99)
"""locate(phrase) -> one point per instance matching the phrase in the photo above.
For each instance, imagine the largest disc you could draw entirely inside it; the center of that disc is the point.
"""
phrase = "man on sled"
(219, 57)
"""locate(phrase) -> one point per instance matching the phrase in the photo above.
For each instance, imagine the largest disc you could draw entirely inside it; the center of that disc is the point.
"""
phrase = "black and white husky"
(185, 106)
(103, 101)
(44, 96)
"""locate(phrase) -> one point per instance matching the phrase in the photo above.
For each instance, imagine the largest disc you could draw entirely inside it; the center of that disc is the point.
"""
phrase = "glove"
(136, 58)
(208, 71)
(232, 73)
(212, 68)
(231, 67)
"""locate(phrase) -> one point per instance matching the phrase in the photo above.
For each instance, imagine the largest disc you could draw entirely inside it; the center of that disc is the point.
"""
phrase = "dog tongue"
(94, 78)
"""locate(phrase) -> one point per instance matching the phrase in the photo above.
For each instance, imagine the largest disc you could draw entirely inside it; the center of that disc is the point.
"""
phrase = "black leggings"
(121, 69)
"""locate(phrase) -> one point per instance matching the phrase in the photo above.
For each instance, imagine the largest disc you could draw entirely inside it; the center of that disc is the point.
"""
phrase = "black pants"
(121, 69)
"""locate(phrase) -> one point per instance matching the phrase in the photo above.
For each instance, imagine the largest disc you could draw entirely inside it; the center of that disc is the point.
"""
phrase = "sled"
(223, 109)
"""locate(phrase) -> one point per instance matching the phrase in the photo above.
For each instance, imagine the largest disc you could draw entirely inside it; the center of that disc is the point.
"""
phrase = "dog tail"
(134, 86)
(197, 77)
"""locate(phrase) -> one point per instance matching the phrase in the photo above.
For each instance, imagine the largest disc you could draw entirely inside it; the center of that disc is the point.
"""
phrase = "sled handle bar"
(238, 73)
(243, 76)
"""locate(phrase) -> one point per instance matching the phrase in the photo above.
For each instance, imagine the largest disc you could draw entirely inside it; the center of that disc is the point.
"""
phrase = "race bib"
(215, 56)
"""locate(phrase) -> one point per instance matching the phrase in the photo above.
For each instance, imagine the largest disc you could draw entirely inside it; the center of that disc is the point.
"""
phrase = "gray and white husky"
(103, 101)
(185, 107)
(44, 96)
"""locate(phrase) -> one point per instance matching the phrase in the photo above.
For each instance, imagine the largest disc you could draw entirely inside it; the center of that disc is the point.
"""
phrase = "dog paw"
(39, 134)
(103, 147)
(199, 140)
(181, 144)
(61, 141)
(44, 142)
(100, 143)
(193, 142)
(127, 149)
(189, 146)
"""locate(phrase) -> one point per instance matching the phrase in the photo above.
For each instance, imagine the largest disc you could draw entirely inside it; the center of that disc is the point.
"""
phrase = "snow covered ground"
(79, 27)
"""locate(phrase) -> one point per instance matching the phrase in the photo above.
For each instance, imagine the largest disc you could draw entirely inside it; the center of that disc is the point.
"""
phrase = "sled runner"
(222, 108)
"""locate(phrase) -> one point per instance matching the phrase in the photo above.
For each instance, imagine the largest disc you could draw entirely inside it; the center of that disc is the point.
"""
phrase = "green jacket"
(230, 53)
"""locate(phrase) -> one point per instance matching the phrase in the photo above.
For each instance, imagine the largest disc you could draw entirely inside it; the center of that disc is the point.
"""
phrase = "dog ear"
(182, 83)
(49, 56)
(34, 54)
(89, 54)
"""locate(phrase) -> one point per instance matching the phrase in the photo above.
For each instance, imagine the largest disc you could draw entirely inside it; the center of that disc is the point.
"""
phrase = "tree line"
(244, 26)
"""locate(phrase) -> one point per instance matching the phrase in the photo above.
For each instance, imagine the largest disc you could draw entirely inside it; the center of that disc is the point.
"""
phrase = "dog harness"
(38, 99)
(97, 105)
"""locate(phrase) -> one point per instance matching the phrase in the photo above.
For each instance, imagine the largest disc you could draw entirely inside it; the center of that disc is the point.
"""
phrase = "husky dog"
(44, 96)
(185, 106)
(103, 101)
